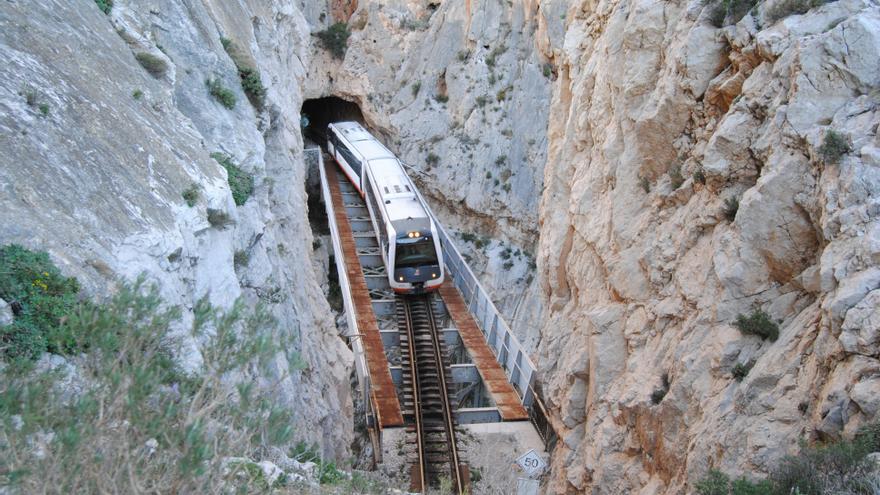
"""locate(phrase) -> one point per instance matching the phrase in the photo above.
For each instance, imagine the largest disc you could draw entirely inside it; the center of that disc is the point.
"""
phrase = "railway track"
(428, 410)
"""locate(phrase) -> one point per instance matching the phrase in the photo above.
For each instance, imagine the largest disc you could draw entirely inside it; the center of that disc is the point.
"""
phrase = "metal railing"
(509, 352)
(316, 157)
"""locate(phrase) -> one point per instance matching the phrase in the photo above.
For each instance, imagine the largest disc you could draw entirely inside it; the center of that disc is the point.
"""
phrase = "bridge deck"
(382, 387)
(506, 399)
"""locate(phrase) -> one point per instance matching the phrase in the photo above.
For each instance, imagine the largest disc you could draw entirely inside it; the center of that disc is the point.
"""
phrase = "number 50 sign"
(531, 463)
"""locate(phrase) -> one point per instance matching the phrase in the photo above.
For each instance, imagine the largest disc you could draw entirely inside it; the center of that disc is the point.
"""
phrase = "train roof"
(402, 206)
(362, 141)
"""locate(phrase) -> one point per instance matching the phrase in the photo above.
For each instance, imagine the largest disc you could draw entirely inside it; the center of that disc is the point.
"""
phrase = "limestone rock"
(6, 315)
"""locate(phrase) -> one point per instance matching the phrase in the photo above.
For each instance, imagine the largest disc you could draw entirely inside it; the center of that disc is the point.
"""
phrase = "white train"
(407, 234)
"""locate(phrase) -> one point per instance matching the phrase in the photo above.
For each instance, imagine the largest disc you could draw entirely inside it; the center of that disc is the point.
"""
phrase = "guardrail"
(508, 351)
(314, 157)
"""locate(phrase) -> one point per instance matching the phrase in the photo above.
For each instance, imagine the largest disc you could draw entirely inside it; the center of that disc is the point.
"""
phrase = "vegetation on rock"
(105, 5)
(221, 93)
(781, 9)
(156, 66)
(41, 297)
(134, 421)
(191, 195)
(834, 146)
(251, 82)
(840, 467)
(758, 323)
(240, 182)
(335, 39)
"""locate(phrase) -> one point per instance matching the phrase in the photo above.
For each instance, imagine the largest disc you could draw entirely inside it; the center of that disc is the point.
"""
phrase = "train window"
(353, 162)
(419, 253)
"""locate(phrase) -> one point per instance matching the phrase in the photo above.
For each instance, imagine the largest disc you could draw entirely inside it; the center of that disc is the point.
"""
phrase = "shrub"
(488, 174)
(840, 467)
(137, 94)
(492, 57)
(729, 10)
(481, 101)
(700, 176)
(44, 109)
(104, 5)
(442, 98)
(335, 39)
(501, 95)
(191, 195)
(252, 85)
(500, 160)
(463, 55)
(741, 370)
(219, 218)
(718, 483)
(240, 182)
(784, 8)
(325, 471)
(241, 258)
(221, 93)
(644, 184)
(731, 206)
(432, 159)
(834, 146)
(156, 66)
(416, 87)
(41, 298)
(675, 177)
(758, 323)
(547, 70)
(138, 422)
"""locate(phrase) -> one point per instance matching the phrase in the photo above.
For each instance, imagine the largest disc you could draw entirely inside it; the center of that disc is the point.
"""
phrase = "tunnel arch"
(325, 110)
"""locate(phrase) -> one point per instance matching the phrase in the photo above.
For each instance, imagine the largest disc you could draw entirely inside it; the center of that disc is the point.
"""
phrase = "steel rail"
(447, 407)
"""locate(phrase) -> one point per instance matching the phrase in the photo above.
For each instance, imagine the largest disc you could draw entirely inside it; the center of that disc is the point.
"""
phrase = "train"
(406, 232)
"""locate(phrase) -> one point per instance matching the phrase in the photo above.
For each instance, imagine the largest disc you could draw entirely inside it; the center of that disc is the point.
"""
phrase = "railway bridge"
(427, 365)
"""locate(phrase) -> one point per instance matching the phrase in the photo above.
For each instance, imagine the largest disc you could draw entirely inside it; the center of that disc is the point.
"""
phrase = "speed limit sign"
(531, 463)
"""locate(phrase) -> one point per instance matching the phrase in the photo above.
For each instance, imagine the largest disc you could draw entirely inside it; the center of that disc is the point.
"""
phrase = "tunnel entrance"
(319, 112)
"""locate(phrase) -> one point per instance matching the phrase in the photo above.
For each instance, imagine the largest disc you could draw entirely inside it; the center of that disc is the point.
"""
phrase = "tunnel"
(319, 112)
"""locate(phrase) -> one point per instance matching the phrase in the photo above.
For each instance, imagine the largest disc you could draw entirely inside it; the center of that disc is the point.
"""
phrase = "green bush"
(501, 160)
(840, 467)
(731, 11)
(251, 83)
(442, 98)
(137, 94)
(44, 109)
(219, 218)
(547, 70)
(240, 182)
(41, 298)
(325, 471)
(758, 323)
(731, 206)
(105, 5)
(156, 66)
(834, 146)
(432, 159)
(741, 370)
(241, 258)
(416, 87)
(675, 177)
(335, 39)
(221, 93)
(191, 195)
(781, 9)
(138, 423)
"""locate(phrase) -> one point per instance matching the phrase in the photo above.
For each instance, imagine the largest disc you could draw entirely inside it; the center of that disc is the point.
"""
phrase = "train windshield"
(415, 253)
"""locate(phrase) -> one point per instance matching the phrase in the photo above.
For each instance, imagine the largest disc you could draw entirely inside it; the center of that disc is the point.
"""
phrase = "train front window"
(415, 253)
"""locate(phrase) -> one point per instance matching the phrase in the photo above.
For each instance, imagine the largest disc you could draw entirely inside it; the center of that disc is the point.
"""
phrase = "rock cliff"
(107, 120)
(695, 174)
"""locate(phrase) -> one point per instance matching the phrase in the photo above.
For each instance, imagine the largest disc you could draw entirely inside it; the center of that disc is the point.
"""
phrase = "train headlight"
(413, 235)
(433, 275)
(400, 278)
